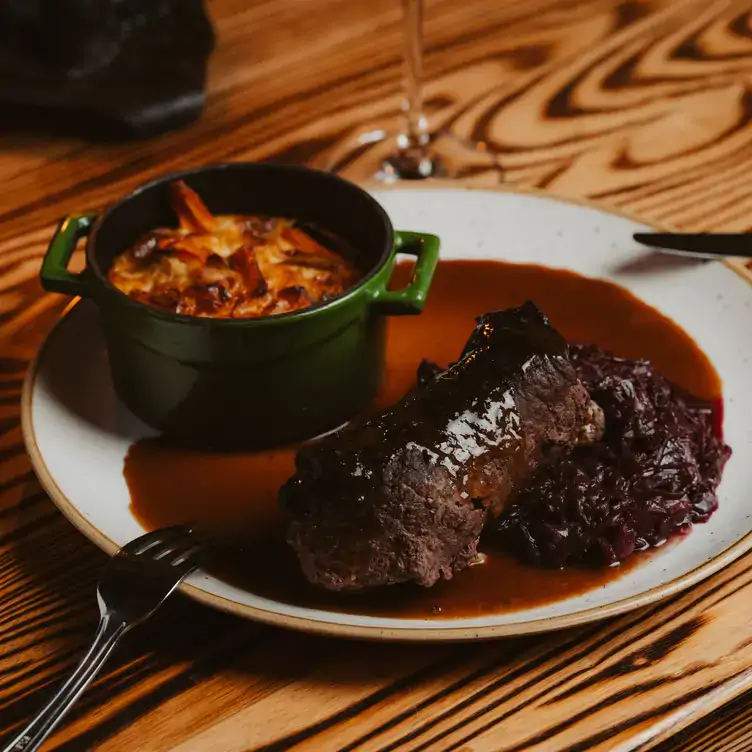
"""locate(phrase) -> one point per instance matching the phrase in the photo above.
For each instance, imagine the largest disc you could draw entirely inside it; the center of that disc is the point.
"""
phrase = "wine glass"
(412, 153)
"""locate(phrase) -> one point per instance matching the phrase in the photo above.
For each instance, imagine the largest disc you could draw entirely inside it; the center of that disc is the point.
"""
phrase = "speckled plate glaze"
(77, 433)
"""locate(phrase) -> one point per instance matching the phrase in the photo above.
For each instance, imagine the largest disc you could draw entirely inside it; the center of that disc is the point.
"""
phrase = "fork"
(134, 584)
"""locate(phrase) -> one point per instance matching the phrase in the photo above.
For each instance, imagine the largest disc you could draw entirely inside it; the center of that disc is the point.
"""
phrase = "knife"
(699, 245)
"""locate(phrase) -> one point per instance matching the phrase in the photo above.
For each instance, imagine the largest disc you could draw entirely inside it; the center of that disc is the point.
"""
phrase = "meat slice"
(404, 495)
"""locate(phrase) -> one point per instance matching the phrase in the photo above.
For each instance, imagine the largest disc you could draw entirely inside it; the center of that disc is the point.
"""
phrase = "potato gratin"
(229, 266)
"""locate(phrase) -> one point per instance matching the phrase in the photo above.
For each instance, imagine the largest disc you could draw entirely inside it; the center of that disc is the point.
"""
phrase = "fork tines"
(175, 546)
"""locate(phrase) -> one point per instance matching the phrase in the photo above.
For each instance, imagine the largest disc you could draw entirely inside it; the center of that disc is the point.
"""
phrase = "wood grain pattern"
(642, 104)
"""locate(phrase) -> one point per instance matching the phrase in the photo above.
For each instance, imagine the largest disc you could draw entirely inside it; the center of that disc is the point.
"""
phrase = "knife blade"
(699, 245)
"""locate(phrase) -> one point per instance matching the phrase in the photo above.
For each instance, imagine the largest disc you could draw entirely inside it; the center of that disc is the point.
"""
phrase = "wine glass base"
(407, 167)
(376, 156)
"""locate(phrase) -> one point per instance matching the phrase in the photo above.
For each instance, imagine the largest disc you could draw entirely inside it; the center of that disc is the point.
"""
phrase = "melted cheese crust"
(229, 266)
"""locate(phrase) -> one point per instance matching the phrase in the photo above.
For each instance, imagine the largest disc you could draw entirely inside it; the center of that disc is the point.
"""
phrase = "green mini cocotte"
(249, 382)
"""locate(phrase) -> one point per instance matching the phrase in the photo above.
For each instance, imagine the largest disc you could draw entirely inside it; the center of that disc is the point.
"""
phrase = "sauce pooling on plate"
(236, 494)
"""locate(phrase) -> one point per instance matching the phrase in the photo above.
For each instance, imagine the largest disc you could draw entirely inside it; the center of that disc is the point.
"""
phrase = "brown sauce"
(235, 494)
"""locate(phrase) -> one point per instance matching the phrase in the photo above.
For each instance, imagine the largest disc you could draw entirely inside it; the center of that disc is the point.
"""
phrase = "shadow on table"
(50, 616)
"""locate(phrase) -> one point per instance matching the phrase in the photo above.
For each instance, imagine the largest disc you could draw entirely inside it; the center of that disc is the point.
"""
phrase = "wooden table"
(641, 104)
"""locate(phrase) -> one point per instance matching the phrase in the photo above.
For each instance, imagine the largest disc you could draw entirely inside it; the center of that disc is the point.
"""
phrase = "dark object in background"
(108, 68)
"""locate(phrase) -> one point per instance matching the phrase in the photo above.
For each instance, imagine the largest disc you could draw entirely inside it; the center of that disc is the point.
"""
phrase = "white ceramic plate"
(77, 433)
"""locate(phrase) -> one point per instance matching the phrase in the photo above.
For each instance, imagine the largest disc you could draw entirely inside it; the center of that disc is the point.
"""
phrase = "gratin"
(229, 266)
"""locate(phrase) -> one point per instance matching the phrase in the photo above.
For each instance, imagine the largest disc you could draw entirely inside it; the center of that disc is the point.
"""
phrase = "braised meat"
(404, 495)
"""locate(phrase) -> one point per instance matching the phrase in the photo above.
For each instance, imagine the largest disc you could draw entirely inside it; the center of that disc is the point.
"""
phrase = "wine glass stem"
(414, 139)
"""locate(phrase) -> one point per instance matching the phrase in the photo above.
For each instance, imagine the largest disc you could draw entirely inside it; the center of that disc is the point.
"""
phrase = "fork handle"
(107, 637)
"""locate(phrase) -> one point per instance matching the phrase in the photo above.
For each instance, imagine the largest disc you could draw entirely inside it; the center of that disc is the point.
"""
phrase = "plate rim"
(443, 631)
